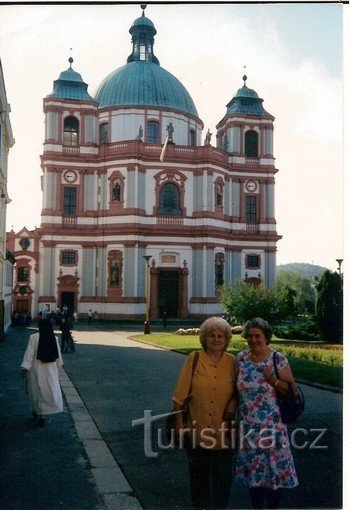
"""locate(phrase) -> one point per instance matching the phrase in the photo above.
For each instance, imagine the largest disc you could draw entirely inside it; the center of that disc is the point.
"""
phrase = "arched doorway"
(168, 293)
(67, 290)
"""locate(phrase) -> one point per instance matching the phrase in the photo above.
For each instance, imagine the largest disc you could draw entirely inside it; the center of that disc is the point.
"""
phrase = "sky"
(291, 53)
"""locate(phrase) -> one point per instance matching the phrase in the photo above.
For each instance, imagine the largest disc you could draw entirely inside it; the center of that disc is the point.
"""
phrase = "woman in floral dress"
(264, 460)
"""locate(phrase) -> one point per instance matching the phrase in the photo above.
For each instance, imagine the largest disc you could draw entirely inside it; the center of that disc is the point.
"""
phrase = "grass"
(312, 363)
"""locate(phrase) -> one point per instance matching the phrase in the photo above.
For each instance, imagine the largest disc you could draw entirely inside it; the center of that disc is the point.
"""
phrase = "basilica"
(139, 204)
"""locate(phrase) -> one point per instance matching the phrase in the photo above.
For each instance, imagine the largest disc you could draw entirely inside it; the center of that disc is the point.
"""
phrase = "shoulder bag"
(291, 406)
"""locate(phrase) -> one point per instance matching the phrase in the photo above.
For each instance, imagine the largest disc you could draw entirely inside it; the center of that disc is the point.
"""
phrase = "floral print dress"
(264, 456)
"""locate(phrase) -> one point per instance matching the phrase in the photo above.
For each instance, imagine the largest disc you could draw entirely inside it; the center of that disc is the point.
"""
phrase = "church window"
(24, 243)
(192, 138)
(219, 269)
(69, 201)
(251, 144)
(251, 209)
(142, 52)
(252, 262)
(103, 133)
(152, 132)
(22, 274)
(169, 199)
(68, 258)
(71, 131)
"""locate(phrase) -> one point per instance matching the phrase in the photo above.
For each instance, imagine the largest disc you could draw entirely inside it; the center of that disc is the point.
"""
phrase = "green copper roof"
(246, 101)
(143, 83)
(70, 85)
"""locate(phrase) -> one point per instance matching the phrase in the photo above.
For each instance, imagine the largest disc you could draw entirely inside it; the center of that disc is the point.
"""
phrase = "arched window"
(103, 133)
(71, 131)
(169, 199)
(251, 144)
(152, 132)
(22, 274)
(192, 138)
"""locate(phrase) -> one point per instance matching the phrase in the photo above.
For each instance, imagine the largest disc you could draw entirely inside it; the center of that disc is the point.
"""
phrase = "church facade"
(134, 201)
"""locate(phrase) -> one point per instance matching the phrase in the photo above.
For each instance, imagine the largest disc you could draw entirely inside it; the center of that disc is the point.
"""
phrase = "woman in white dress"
(40, 369)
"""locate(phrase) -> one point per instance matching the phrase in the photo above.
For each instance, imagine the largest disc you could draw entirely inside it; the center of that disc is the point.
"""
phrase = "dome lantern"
(142, 32)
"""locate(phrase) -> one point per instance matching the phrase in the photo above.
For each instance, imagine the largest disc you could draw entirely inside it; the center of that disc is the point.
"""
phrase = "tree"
(329, 306)
(243, 301)
(303, 287)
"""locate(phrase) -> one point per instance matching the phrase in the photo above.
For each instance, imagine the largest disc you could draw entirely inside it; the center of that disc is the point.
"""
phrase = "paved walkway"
(108, 383)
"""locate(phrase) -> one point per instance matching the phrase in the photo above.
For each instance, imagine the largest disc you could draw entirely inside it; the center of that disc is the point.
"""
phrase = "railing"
(169, 220)
(138, 148)
(252, 227)
(252, 161)
(69, 221)
(71, 150)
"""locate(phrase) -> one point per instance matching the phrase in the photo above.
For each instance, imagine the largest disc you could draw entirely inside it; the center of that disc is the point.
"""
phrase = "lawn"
(311, 361)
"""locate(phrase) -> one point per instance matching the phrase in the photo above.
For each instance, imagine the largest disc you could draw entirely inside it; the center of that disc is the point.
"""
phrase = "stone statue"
(170, 131)
(207, 138)
(140, 133)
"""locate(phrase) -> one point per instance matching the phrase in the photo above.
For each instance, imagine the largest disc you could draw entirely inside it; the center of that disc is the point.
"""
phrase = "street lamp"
(339, 264)
(147, 325)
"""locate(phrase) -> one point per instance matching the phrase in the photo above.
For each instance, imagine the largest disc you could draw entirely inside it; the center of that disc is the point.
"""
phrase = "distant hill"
(308, 270)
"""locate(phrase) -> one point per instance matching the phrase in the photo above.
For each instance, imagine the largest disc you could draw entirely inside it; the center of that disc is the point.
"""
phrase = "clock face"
(251, 186)
(70, 176)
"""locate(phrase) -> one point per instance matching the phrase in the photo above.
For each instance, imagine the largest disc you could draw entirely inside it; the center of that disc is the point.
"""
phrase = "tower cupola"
(246, 101)
(143, 32)
(70, 85)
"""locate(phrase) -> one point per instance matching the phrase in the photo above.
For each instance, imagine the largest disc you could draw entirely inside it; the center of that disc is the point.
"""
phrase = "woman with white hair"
(208, 379)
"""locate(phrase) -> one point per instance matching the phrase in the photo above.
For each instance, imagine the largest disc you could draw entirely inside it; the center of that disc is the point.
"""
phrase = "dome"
(70, 85)
(143, 83)
(246, 101)
(142, 21)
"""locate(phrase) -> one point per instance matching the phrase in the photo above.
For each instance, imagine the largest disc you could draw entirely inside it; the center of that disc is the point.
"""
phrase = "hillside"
(308, 270)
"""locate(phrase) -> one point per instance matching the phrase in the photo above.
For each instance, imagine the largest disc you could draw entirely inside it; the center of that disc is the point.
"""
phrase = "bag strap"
(291, 393)
(195, 361)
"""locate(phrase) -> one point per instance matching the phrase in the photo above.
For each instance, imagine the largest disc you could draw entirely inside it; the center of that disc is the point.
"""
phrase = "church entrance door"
(168, 293)
(68, 299)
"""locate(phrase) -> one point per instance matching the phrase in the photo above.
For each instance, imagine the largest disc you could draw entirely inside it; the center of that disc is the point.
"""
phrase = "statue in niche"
(115, 273)
(140, 133)
(170, 131)
(116, 192)
(207, 138)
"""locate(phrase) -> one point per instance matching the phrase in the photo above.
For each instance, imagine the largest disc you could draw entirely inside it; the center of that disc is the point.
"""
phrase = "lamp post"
(339, 264)
(147, 325)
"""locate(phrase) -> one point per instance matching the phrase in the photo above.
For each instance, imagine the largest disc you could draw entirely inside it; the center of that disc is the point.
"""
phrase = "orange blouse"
(212, 390)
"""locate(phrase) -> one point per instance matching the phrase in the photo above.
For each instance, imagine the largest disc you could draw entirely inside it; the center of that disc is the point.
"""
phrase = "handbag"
(170, 423)
(291, 406)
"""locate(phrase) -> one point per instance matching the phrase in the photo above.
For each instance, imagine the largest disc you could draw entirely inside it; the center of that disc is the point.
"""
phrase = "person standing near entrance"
(89, 316)
(40, 369)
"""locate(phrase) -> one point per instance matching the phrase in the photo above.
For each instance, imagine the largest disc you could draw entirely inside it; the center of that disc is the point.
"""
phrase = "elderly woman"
(211, 406)
(264, 461)
(40, 368)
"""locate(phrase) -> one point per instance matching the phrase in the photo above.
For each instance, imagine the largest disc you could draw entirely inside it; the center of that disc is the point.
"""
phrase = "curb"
(111, 484)
(299, 381)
